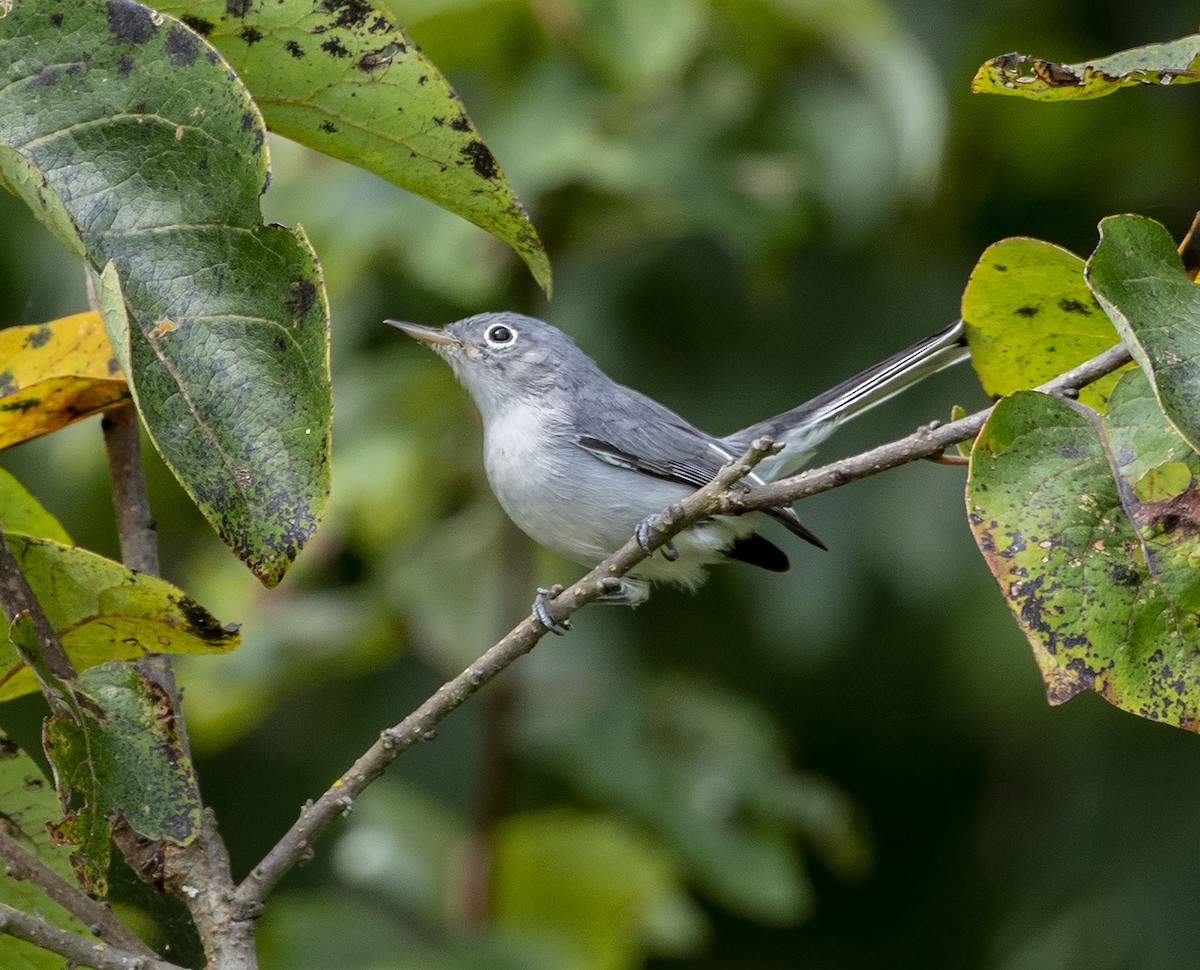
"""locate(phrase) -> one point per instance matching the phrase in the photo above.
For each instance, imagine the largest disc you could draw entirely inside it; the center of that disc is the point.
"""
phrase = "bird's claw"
(642, 534)
(557, 627)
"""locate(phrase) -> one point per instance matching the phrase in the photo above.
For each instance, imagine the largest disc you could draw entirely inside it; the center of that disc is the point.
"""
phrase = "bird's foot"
(557, 627)
(642, 534)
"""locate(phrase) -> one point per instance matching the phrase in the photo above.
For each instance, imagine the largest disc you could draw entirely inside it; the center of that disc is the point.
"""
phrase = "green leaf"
(1103, 584)
(340, 77)
(595, 892)
(1030, 316)
(21, 512)
(1171, 63)
(138, 146)
(124, 762)
(1166, 481)
(1138, 277)
(103, 611)
(27, 803)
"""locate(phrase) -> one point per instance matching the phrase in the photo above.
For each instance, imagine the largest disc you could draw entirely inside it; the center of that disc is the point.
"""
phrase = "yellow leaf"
(52, 374)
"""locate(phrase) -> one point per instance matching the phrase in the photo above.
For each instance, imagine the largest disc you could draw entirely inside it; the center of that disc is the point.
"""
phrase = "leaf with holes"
(1096, 561)
(123, 764)
(341, 77)
(1037, 79)
(136, 144)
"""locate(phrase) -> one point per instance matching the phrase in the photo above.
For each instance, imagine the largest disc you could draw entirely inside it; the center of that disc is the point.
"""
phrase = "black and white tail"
(802, 428)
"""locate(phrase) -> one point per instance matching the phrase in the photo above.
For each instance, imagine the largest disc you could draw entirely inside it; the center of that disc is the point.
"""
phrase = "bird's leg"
(622, 592)
(557, 627)
(642, 534)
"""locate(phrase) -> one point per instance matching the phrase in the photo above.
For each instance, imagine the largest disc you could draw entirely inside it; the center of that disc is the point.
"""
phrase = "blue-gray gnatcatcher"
(580, 463)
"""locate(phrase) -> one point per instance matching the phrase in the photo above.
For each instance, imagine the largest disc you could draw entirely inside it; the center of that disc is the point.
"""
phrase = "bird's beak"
(432, 336)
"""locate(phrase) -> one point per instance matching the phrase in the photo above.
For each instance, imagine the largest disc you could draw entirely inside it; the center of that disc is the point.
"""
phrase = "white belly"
(571, 502)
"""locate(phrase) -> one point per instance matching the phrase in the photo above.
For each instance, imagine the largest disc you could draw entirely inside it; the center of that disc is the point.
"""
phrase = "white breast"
(568, 500)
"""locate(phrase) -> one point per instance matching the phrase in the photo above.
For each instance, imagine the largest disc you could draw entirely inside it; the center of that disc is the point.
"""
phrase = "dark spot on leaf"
(238, 8)
(250, 35)
(1177, 516)
(1074, 306)
(381, 25)
(46, 78)
(248, 121)
(1124, 575)
(200, 622)
(20, 407)
(130, 22)
(198, 24)
(202, 165)
(481, 159)
(438, 121)
(9, 748)
(39, 337)
(1027, 311)
(335, 47)
(294, 49)
(183, 47)
(7, 385)
(461, 123)
(113, 365)
(56, 20)
(34, 783)
(279, 343)
(304, 295)
(125, 66)
(373, 60)
(423, 78)
(328, 127)
(350, 13)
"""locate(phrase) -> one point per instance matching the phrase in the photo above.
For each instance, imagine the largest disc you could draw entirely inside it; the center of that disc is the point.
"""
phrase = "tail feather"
(802, 428)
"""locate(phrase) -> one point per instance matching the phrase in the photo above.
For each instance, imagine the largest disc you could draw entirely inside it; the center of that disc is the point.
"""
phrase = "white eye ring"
(498, 335)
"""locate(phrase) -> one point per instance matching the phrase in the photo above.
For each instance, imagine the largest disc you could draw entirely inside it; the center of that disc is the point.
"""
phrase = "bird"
(580, 462)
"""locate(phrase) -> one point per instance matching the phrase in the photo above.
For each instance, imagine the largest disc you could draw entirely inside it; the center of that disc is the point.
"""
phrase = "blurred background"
(848, 765)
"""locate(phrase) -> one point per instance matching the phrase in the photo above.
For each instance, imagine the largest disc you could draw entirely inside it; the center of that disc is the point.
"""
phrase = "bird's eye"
(499, 334)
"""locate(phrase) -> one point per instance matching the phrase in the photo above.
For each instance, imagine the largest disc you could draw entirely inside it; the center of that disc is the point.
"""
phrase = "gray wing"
(629, 430)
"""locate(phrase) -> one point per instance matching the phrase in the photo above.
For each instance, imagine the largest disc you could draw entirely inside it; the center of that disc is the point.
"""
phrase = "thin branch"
(928, 442)
(16, 598)
(198, 873)
(135, 523)
(77, 949)
(715, 497)
(20, 863)
(316, 817)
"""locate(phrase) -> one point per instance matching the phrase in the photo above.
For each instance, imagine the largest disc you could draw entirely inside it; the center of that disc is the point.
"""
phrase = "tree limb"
(717, 497)
(77, 949)
(316, 817)
(198, 873)
(135, 523)
(927, 442)
(20, 863)
(17, 598)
